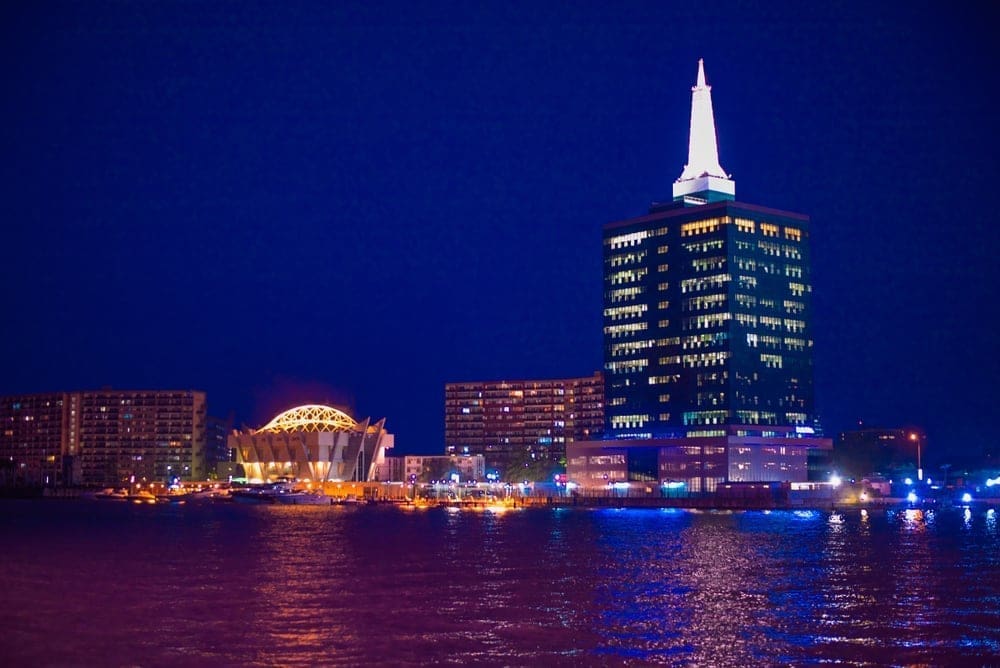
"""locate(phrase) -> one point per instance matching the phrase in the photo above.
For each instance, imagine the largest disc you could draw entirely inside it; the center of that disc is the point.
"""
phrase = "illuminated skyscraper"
(708, 342)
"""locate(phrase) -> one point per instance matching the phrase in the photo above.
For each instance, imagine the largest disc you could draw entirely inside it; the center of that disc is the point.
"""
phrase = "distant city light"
(835, 480)
(908, 481)
(966, 498)
(993, 481)
(912, 497)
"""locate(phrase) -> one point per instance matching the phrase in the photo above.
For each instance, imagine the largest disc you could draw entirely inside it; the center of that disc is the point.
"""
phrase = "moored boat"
(211, 494)
(253, 495)
(112, 493)
(304, 498)
(142, 496)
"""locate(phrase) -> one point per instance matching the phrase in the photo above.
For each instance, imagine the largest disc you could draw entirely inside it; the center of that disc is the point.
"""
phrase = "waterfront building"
(428, 468)
(868, 450)
(104, 437)
(708, 335)
(217, 449)
(514, 423)
(132, 436)
(34, 442)
(315, 443)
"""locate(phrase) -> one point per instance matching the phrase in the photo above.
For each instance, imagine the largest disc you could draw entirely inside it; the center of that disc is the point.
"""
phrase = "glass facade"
(707, 320)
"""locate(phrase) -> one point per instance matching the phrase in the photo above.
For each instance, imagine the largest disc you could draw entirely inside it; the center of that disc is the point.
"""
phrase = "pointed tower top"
(703, 178)
(701, 75)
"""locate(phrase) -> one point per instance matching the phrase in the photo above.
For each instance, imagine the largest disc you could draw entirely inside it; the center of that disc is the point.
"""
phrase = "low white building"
(426, 468)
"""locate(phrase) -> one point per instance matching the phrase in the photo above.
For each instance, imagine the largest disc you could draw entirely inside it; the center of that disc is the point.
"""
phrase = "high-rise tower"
(708, 342)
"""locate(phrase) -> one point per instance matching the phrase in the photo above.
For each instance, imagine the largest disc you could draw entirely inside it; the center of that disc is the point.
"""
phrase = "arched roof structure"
(310, 417)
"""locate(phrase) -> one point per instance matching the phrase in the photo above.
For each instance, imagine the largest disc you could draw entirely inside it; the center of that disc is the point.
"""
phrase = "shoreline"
(582, 502)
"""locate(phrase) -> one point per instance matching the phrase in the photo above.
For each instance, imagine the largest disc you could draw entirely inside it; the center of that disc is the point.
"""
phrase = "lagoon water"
(105, 583)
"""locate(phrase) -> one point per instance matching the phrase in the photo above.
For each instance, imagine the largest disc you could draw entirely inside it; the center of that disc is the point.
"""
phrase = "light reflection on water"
(107, 584)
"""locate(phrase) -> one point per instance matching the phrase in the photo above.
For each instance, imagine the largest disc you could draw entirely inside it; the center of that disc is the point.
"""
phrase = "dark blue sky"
(358, 202)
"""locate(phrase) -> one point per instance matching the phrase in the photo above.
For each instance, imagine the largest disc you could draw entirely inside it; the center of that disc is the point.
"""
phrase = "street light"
(920, 471)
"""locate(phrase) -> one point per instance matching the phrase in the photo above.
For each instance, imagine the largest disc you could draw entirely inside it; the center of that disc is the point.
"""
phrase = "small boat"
(112, 493)
(253, 496)
(211, 494)
(303, 498)
(173, 498)
(142, 496)
(174, 494)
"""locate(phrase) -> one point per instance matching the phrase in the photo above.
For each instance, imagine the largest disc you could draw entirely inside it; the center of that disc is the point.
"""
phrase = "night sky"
(356, 203)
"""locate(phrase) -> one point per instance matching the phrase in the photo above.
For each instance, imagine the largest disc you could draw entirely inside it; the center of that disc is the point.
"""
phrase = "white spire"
(703, 171)
(703, 150)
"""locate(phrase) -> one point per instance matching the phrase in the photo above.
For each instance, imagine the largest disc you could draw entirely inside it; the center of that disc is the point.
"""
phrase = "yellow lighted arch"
(311, 417)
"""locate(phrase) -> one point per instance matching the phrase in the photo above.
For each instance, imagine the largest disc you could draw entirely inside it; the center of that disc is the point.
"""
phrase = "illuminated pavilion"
(315, 443)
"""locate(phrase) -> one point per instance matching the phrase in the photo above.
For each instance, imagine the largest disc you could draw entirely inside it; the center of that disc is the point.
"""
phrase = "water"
(103, 583)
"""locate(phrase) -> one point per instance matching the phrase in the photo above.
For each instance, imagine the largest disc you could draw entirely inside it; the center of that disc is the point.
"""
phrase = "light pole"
(920, 470)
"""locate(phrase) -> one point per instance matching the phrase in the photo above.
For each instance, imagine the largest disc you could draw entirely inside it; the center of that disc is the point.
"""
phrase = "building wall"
(508, 421)
(707, 320)
(767, 460)
(427, 468)
(217, 442)
(887, 450)
(151, 435)
(33, 439)
(103, 437)
(393, 469)
(697, 464)
(596, 463)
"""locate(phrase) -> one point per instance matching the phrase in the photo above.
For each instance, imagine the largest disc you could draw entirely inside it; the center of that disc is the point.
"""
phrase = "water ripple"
(115, 585)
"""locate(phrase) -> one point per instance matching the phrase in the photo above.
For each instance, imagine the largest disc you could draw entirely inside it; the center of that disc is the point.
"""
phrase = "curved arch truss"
(310, 418)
